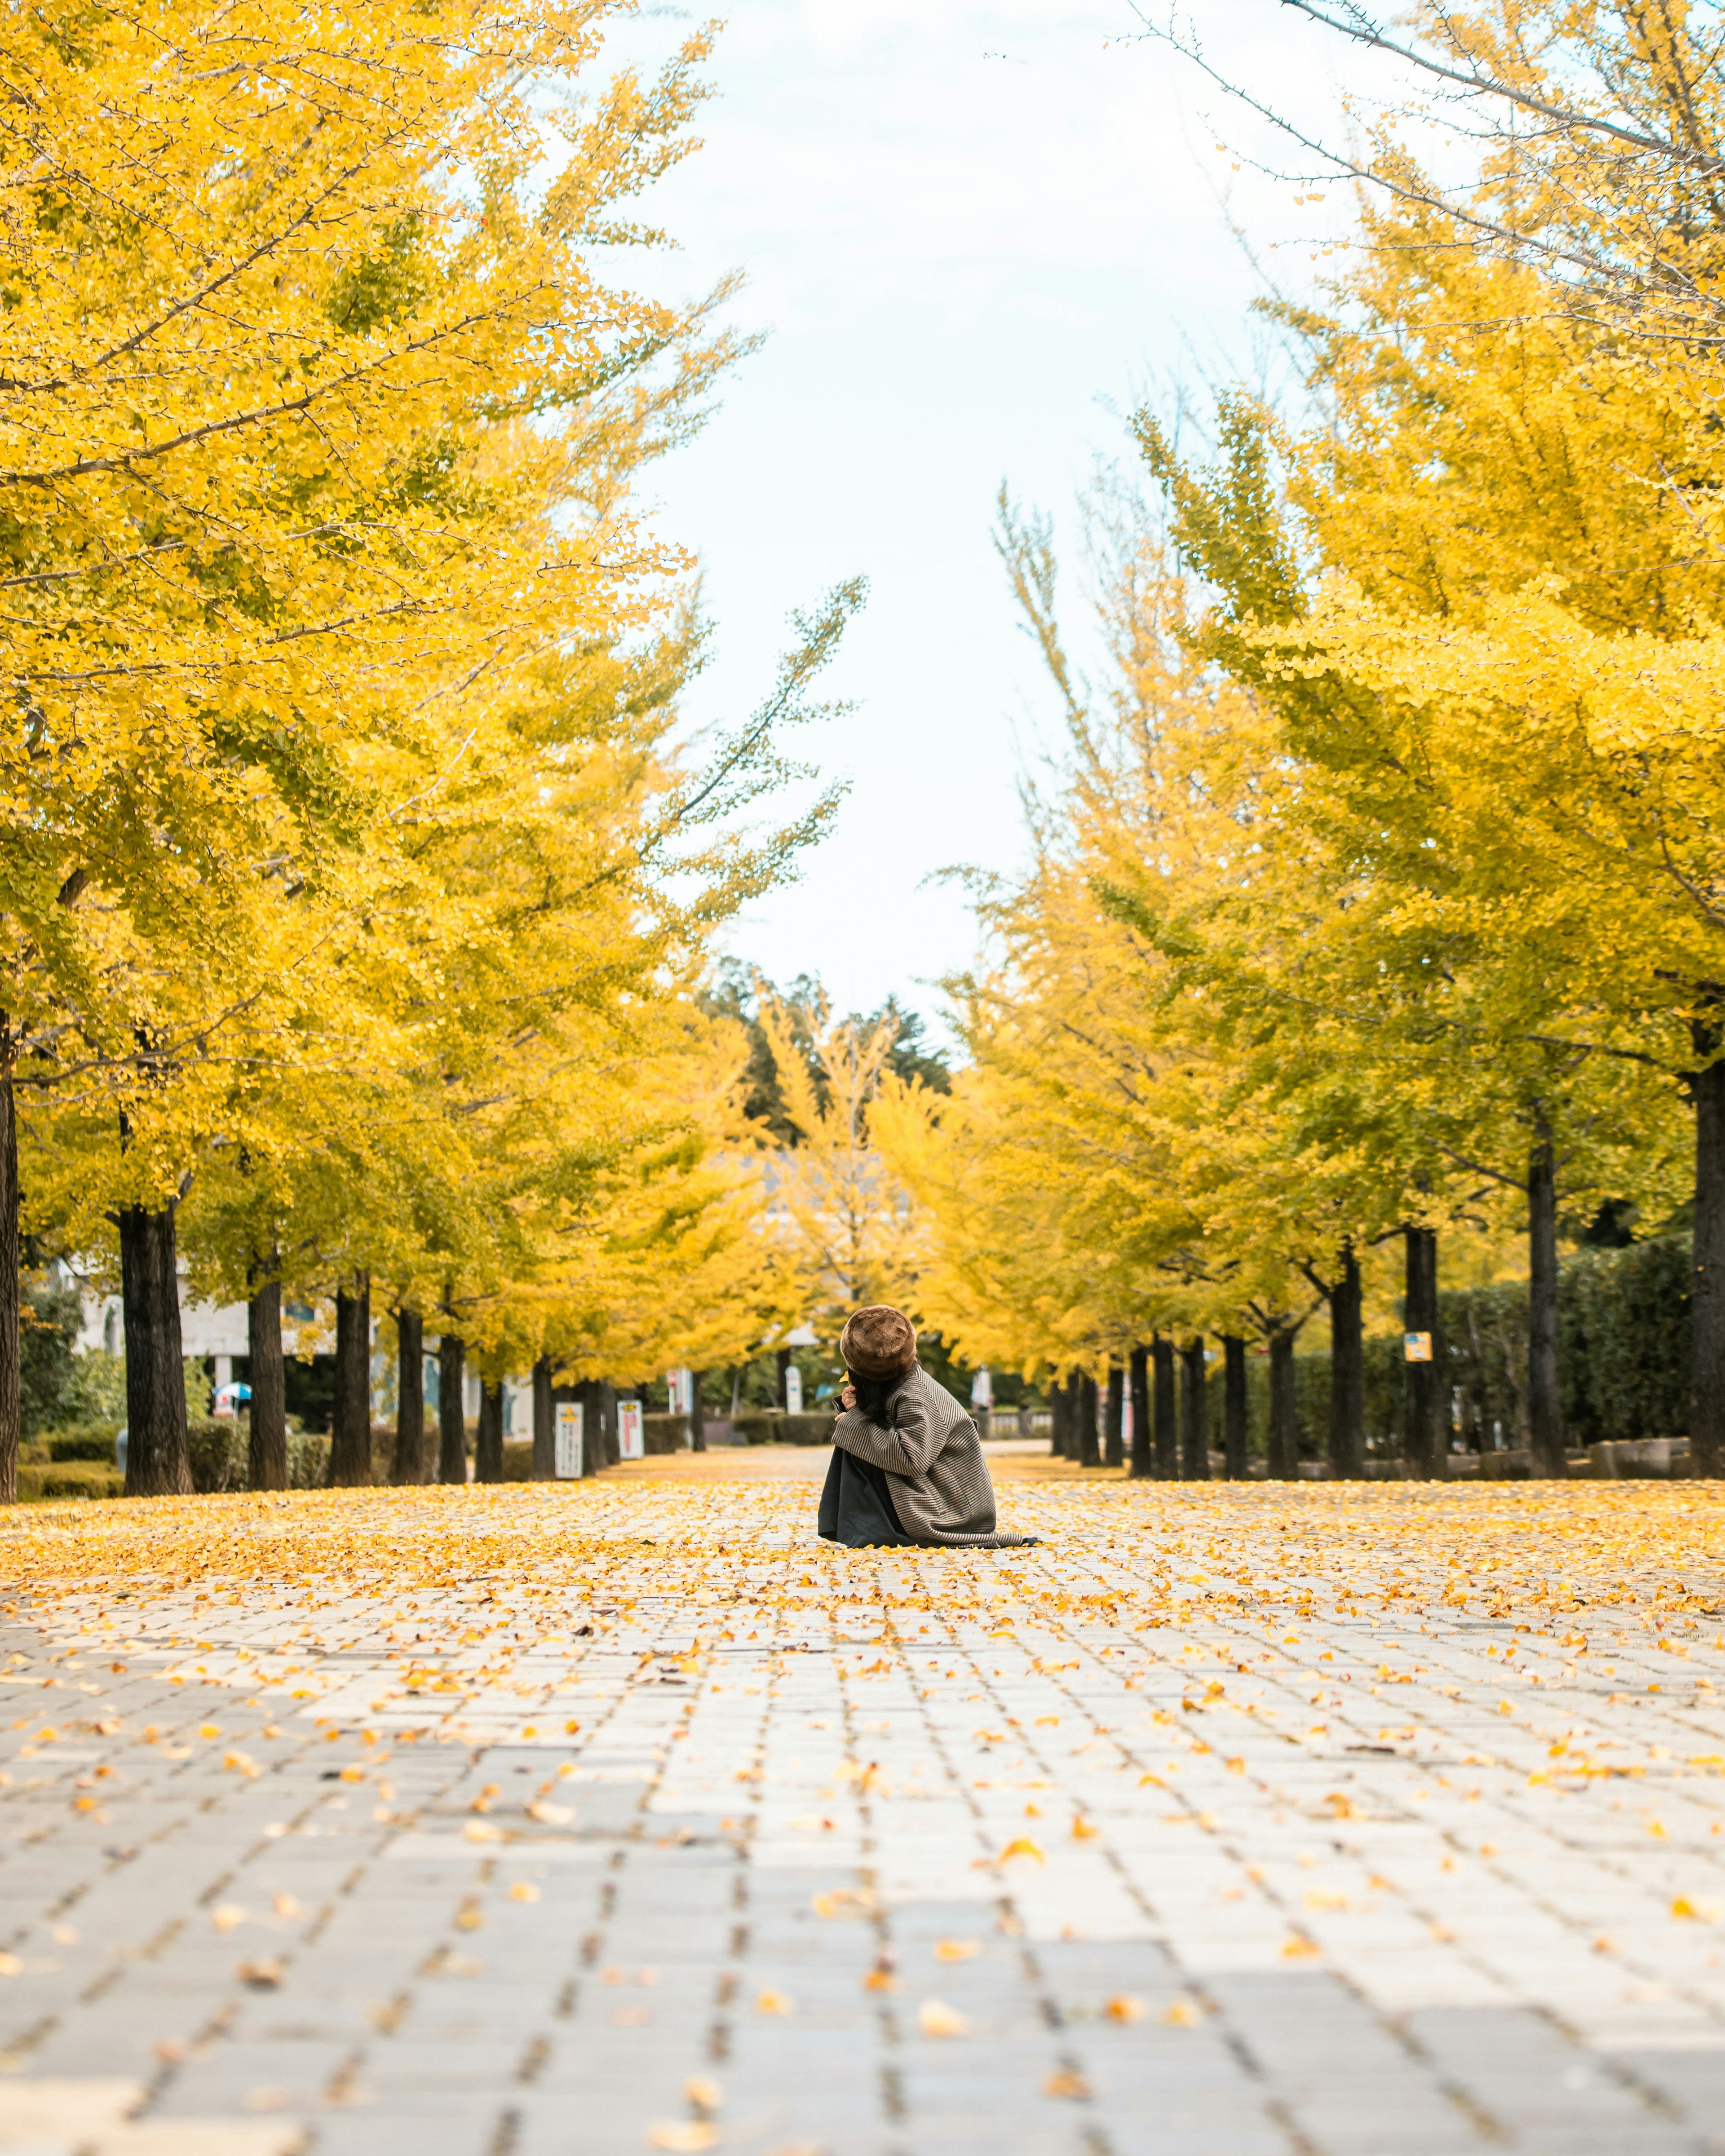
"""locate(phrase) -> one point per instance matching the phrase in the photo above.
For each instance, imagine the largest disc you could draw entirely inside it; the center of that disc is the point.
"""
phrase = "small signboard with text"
(793, 1390)
(1416, 1346)
(631, 1430)
(567, 1459)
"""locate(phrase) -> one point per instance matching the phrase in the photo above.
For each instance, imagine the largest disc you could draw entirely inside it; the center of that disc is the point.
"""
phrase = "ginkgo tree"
(320, 426)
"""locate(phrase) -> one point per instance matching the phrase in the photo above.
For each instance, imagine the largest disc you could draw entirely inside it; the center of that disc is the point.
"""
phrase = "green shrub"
(755, 1425)
(665, 1433)
(518, 1460)
(74, 1478)
(218, 1449)
(308, 1460)
(804, 1428)
(92, 1442)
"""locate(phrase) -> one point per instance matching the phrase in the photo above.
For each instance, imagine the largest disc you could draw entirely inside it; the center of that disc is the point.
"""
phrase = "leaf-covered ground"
(628, 1815)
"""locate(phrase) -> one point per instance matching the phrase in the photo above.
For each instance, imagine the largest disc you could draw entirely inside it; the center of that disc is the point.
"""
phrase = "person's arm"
(911, 1449)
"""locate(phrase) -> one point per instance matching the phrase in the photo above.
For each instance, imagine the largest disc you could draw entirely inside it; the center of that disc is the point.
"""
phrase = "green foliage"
(199, 1392)
(95, 1391)
(50, 1314)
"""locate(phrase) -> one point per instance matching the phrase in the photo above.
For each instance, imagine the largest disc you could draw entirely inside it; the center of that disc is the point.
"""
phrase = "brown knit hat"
(878, 1341)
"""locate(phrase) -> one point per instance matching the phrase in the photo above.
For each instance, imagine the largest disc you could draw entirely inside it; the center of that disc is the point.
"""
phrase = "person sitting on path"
(908, 1465)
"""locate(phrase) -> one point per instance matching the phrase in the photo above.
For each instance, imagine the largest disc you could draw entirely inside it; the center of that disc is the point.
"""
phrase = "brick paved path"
(629, 1818)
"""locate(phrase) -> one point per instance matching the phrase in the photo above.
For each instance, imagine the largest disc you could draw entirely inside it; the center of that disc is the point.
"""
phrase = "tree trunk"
(488, 1450)
(545, 1424)
(1284, 1447)
(408, 1466)
(267, 1452)
(1545, 1420)
(1348, 1374)
(782, 1393)
(1168, 1427)
(1428, 1402)
(1234, 1407)
(1706, 1415)
(158, 1460)
(350, 1440)
(1143, 1463)
(591, 1395)
(451, 1423)
(11, 1292)
(698, 1412)
(607, 1415)
(1089, 1451)
(1057, 1418)
(1114, 1420)
(1194, 1414)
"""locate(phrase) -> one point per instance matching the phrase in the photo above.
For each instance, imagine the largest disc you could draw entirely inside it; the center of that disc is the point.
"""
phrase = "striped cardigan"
(941, 1489)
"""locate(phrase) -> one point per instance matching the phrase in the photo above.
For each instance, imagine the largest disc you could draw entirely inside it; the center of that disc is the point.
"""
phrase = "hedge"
(71, 1478)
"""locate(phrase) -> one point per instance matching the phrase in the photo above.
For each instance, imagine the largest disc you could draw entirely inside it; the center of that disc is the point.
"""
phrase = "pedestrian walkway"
(617, 1816)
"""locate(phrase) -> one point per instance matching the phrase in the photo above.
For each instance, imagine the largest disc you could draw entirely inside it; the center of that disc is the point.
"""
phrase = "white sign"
(631, 1434)
(982, 1390)
(679, 1385)
(793, 1390)
(566, 1462)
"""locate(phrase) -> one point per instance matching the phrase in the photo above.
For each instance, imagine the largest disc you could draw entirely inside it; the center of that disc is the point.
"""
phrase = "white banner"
(631, 1435)
(567, 1463)
(793, 1390)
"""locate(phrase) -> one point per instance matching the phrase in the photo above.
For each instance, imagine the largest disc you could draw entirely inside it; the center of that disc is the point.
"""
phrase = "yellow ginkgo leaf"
(935, 2019)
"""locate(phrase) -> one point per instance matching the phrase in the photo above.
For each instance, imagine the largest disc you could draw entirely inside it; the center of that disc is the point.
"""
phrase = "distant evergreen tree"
(737, 992)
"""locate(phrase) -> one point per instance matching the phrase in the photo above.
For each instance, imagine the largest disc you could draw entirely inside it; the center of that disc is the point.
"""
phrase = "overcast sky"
(969, 228)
